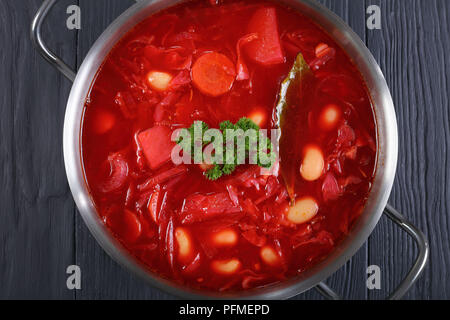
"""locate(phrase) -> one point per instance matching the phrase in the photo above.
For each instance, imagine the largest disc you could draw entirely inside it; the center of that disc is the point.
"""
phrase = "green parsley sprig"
(228, 166)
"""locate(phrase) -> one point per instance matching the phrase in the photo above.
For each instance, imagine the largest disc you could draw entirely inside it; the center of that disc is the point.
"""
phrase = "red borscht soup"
(213, 227)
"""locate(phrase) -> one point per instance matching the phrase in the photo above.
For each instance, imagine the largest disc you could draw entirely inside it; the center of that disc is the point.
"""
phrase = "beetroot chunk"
(266, 49)
(157, 145)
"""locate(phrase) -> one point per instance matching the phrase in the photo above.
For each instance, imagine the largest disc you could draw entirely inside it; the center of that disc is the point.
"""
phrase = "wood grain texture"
(37, 210)
(412, 51)
(41, 233)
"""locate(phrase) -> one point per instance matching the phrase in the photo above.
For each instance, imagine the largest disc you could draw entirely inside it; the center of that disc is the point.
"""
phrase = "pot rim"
(386, 161)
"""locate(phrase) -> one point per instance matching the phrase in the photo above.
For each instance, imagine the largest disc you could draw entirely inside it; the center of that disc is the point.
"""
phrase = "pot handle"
(36, 38)
(415, 271)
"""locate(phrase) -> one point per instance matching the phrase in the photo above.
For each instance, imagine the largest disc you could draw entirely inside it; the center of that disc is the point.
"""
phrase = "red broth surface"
(237, 232)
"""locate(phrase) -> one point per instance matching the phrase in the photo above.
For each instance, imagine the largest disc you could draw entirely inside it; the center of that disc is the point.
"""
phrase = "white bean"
(313, 164)
(304, 210)
(226, 267)
(159, 80)
(226, 237)
(269, 256)
(184, 243)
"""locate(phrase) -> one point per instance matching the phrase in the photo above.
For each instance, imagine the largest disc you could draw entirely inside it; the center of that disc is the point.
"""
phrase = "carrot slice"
(321, 49)
(213, 74)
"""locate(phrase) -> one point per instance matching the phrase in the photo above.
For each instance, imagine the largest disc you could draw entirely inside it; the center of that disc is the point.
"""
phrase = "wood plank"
(37, 210)
(412, 51)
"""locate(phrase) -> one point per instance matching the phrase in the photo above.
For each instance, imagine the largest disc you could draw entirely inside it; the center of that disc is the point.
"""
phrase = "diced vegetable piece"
(304, 210)
(224, 238)
(266, 49)
(153, 205)
(313, 164)
(329, 117)
(292, 92)
(131, 227)
(226, 267)
(159, 80)
(184, 243)
(259, 117)
(213, 74)
(269, 256)
(103, 121)
(157, 145)
(198, 207)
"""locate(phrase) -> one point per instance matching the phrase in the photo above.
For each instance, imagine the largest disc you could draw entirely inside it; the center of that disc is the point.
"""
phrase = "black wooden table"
(41, 232)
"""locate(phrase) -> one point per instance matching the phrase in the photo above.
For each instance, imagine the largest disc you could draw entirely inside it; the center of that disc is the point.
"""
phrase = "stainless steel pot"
(376, 204)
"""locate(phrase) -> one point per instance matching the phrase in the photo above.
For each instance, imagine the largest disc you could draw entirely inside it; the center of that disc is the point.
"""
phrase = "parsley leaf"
(230, 162)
